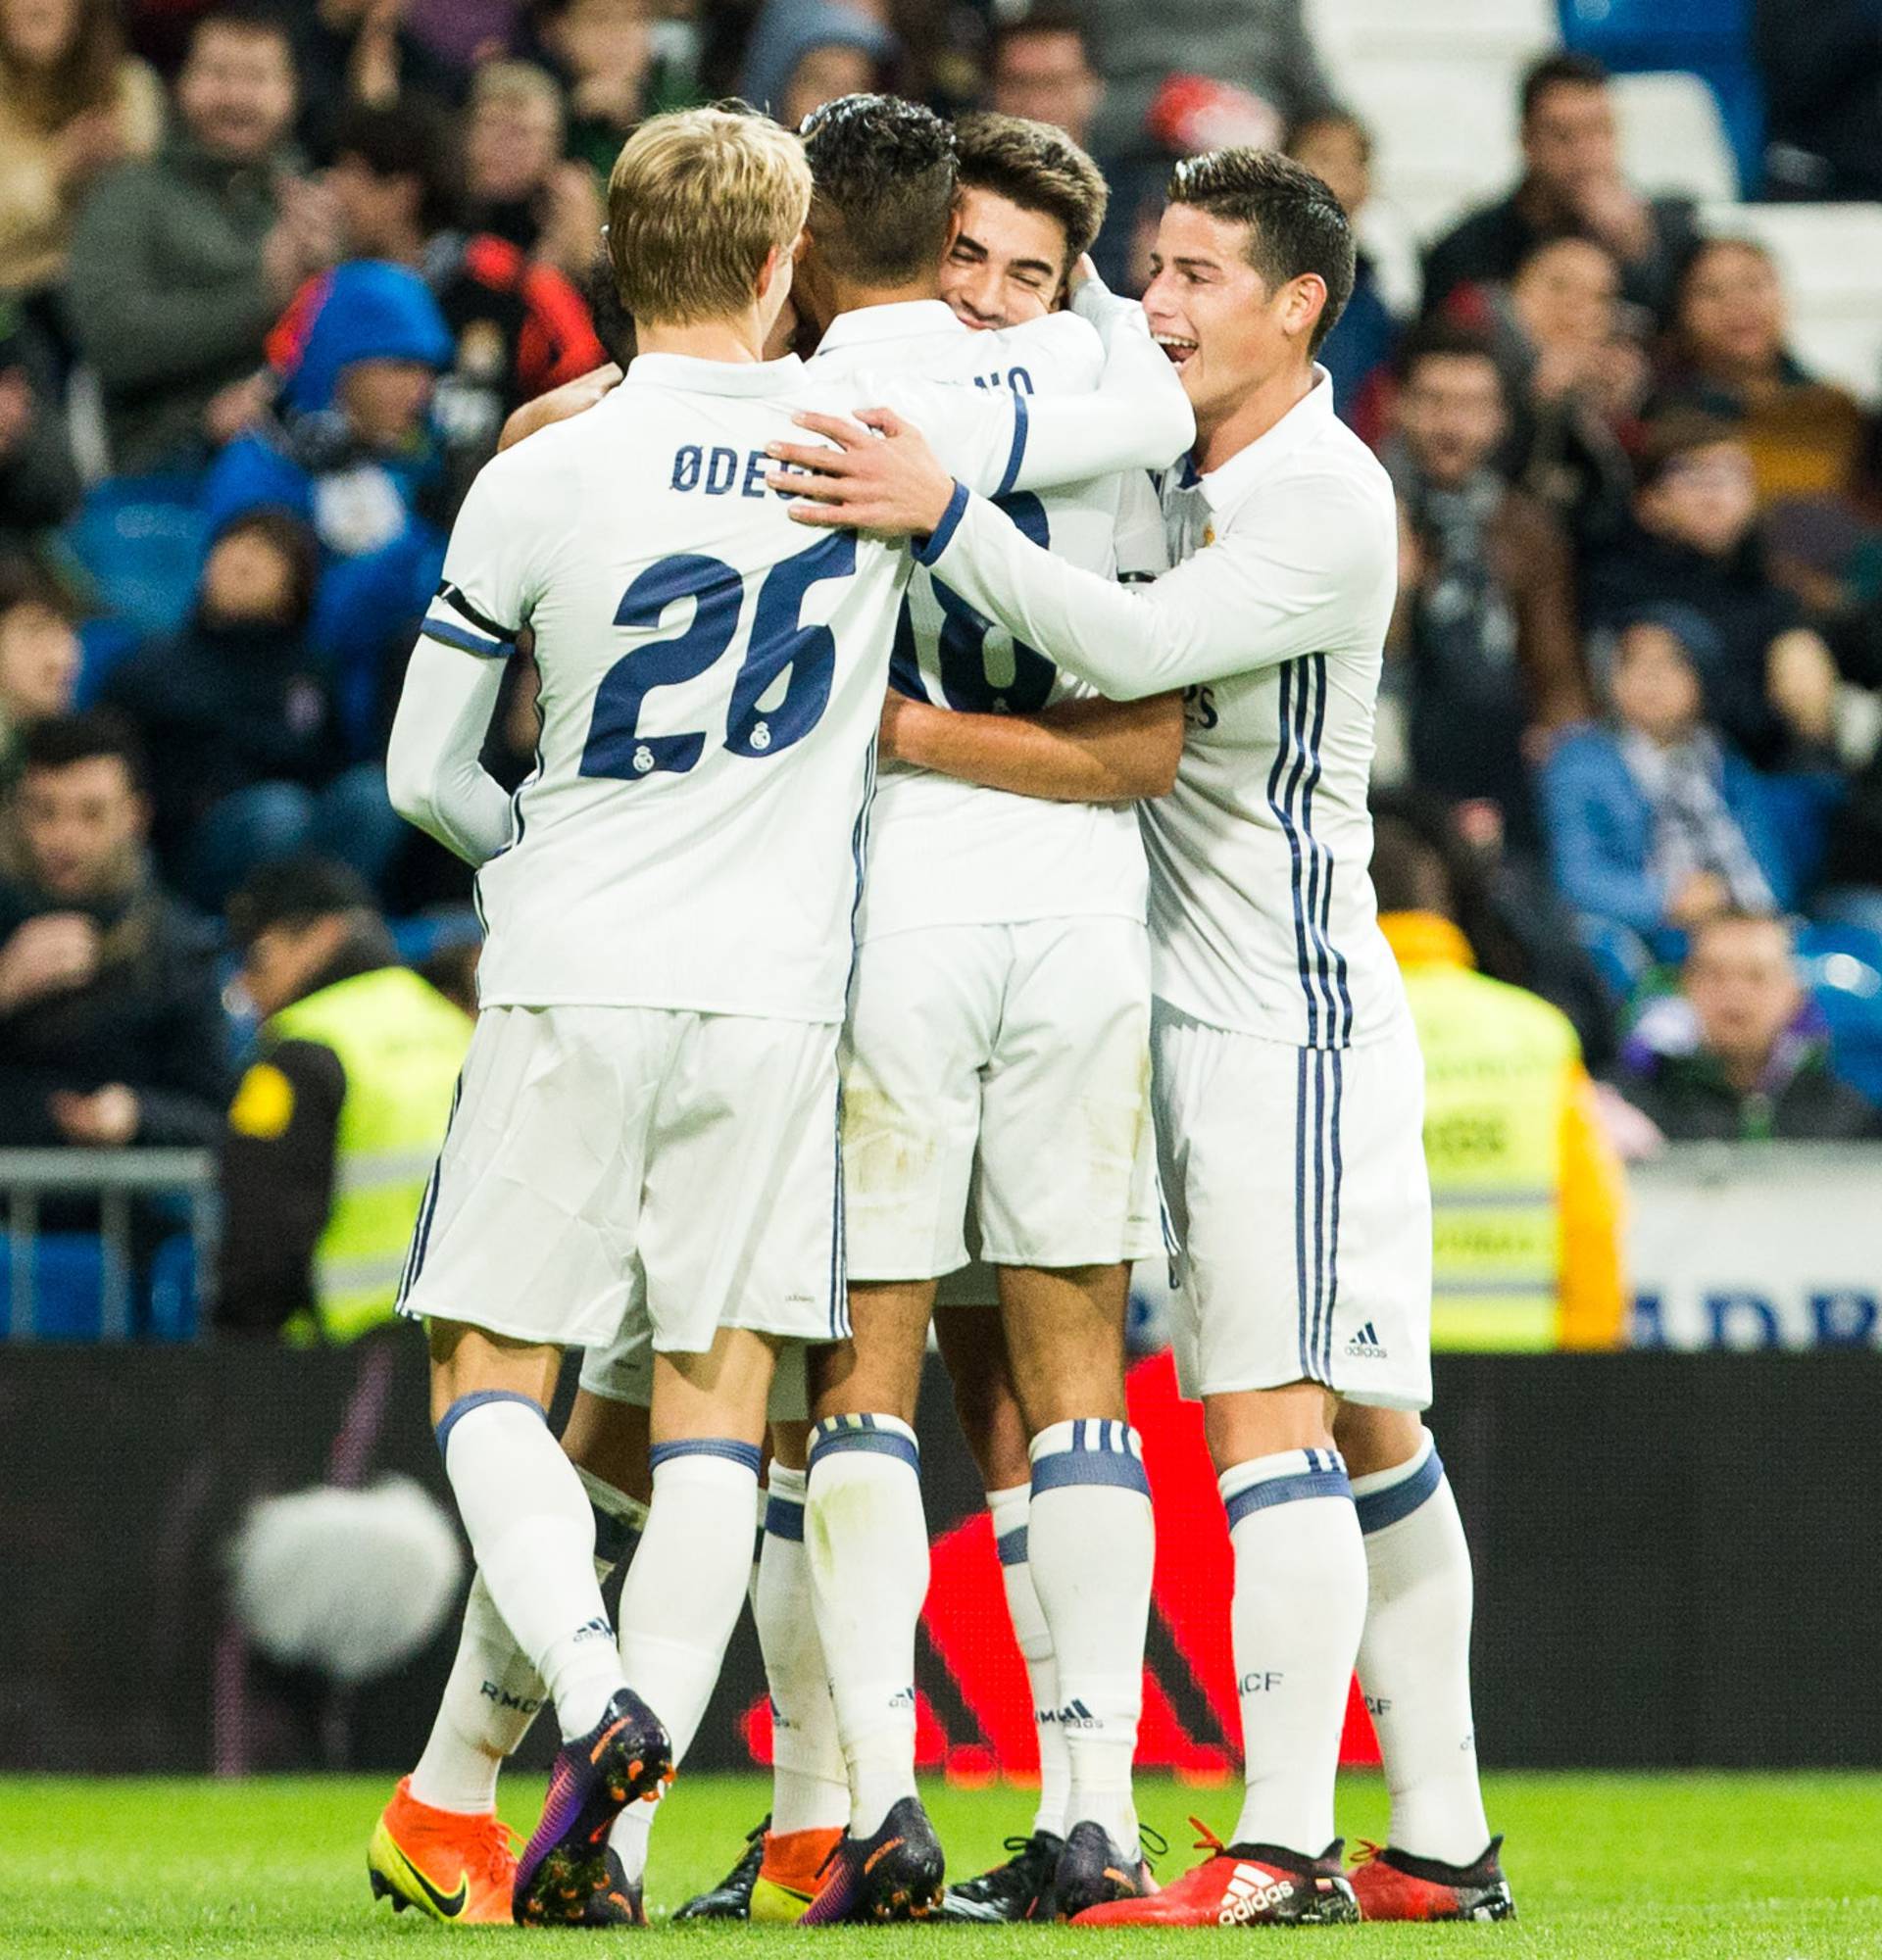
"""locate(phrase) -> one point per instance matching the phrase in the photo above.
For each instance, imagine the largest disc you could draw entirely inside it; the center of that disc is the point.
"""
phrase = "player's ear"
(1303, 301)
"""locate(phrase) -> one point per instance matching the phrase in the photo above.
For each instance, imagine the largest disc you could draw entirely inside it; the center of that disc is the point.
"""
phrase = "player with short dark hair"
(1288, 1082)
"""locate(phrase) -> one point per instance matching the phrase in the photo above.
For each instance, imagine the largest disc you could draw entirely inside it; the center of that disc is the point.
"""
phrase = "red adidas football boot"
(1242, 1885)
(1394, 1885)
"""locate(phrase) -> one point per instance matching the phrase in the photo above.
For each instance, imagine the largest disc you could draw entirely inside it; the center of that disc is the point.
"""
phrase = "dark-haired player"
(1289, 1088)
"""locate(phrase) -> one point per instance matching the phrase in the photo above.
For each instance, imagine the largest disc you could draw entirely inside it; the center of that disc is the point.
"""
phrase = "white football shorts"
(1296, 1188)
(597, 1151)
(1003, 1068)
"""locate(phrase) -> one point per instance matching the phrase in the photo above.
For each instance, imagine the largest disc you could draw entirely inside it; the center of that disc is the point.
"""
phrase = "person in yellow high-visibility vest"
(1527, 1191)
(337, 1121)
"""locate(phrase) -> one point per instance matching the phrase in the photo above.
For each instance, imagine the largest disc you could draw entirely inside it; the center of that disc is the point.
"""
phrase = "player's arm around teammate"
(1275, 999)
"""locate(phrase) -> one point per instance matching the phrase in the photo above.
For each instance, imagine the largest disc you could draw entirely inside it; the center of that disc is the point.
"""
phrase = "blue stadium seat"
(172, 1289)
(68, 1285)
(141, 539)
(1843, 969)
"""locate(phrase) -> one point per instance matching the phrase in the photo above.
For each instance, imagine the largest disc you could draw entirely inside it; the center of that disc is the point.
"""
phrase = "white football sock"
(1414, 1659)
(682, 1597)
(810, 1785)
(1299, 1607)
(1091, 1543)
(533, 1533)
(868, 1557)
(493, 1693)
(1009, 1509)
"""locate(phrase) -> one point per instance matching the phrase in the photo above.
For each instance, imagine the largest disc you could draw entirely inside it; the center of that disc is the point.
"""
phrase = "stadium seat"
(172, 1289)
(1843, 969)
(67, 1283)
(1673, 140)
(1444, 128)
(1829, 257)
(141, 540)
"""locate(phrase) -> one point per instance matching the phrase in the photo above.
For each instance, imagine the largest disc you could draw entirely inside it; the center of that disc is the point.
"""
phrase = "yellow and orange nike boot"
(787, 1879)
(453, 1866)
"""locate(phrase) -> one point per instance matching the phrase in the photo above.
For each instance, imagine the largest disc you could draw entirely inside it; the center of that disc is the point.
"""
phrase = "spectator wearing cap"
(112, 1030)
(242, 714)
(1526, 1192)
(805, 53)
(517, 184)
(520, 327)
(337, 1122)
(179, 263)
(1739, 1055)
(39, 657)
(362, 52)
(350, 451)
(1728, 355)
(1770, 681)
(71, 104)
(1571, 183)
(1653, 823)
(1485, 625)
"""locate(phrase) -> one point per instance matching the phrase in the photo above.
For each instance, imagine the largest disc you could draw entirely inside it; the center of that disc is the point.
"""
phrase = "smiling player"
(1289, 1086)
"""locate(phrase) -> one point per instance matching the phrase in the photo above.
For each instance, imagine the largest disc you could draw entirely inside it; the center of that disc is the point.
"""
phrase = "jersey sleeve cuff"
(931, 548)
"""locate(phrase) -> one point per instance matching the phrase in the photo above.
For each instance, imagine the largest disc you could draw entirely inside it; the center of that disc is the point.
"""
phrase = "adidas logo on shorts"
(1366, 1344)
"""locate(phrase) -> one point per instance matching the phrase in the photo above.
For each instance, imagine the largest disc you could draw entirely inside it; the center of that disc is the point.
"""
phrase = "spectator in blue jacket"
(350, 451)
(1654, 824)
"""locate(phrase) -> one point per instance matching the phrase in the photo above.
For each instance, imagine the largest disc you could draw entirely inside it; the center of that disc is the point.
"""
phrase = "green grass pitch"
(1610, 1868)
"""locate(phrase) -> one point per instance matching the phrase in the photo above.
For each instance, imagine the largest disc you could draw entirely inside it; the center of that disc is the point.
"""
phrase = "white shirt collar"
(711, 377)
(1243, 470)
(898, 319)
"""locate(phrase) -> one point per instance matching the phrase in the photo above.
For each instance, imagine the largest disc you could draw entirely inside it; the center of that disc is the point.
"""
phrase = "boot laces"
(495, 1843)
(1151, 1844)
(1367, 1854)
(1208, 1840)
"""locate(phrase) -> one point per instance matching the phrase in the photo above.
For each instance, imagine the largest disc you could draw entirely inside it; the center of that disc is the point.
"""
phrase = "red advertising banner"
(1191, 1724)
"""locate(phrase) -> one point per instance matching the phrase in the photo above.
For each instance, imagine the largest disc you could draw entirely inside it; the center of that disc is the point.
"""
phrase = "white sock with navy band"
(532, 1532)
(1297, 1610)
(493, 1691)
(1414, 1659)
(868, 1558)
(1010, 1510)
(682, 1597)
(810, 1785)
(1092, 1543)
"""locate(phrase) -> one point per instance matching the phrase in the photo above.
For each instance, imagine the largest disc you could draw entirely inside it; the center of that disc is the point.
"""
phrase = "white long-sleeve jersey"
(1263, 918)
(712, 677)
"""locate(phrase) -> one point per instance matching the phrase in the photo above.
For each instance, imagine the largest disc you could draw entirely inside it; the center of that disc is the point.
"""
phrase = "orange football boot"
(453, 1866)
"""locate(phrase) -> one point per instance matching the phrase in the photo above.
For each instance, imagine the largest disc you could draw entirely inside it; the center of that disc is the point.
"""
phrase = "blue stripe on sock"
(1011, 1546)
(1379, 1508)
(1094, 1465)
(727, 1446)
(1295, 1489)
(463, 1404)
(784, 1518)
(834, 1435)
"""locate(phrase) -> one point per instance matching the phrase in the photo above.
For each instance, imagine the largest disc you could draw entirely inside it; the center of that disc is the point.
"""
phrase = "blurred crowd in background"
(271, 279)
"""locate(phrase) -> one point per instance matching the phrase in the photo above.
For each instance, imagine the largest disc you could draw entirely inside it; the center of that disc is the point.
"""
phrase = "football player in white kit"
(649, 1109)
(1289, 1089)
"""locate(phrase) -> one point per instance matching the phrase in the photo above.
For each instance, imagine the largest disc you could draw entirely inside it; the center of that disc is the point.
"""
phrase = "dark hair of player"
(413, 140)
(885, 179)
(1441, 340)
(1037, 167)
(1295, 223)
(1558, 71)
(62, 740)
